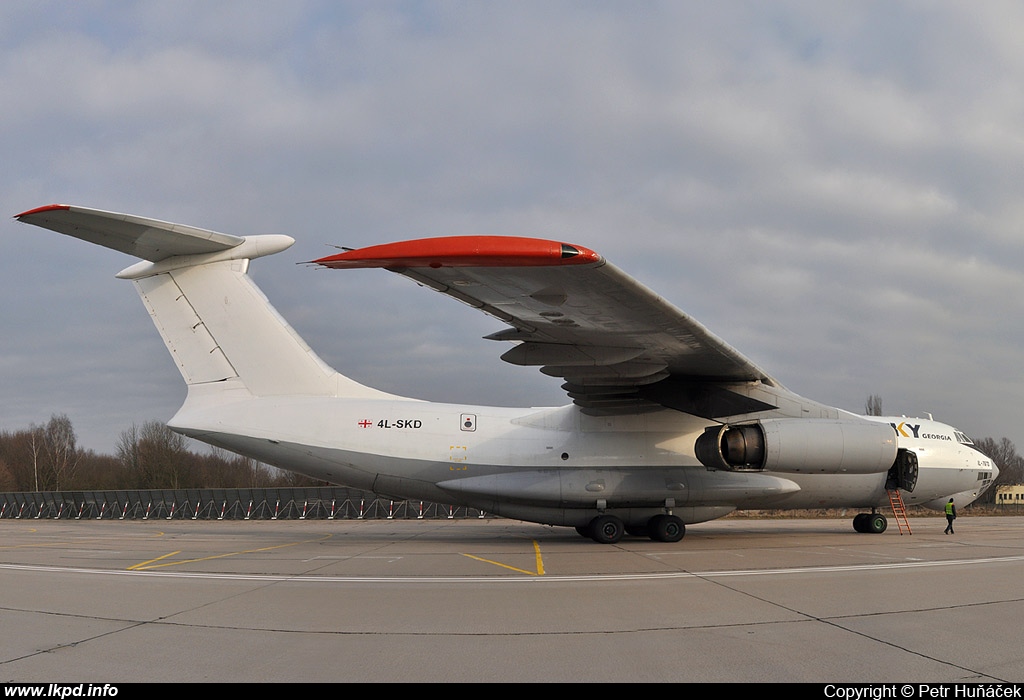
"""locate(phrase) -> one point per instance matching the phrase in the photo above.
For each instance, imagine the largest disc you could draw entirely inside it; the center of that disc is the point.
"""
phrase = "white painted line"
(534, 580)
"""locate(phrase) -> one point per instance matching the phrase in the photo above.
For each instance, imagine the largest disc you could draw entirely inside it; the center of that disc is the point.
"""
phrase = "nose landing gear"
(870, 522)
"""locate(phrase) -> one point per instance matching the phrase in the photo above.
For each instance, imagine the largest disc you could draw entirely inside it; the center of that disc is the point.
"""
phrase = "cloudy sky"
(837, 189)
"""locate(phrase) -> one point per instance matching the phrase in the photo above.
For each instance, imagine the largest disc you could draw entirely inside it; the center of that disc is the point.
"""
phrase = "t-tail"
(224, 335)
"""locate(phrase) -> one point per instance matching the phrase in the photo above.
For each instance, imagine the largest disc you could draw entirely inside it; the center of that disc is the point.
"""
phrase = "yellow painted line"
(145, 566)
(142, 565)
(536, 549)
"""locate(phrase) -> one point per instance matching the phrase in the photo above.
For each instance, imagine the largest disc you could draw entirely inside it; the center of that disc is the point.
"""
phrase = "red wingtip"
(464, 251)
(40, 210)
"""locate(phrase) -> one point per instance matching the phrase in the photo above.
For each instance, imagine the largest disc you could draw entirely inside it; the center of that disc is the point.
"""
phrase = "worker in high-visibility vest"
(950, 517)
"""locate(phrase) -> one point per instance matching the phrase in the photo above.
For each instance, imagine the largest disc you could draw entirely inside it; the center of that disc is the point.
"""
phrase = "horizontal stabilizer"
(218, 326)
(148, 239)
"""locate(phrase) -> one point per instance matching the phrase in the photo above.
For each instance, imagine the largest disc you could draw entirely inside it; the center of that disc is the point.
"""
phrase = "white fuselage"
(554, 465)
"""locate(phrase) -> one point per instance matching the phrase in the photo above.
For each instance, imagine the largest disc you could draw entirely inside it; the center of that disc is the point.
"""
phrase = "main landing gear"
(870, 522)
(609, 529)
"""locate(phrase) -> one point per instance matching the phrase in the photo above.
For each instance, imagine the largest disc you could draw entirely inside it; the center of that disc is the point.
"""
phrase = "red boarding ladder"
(899, 510)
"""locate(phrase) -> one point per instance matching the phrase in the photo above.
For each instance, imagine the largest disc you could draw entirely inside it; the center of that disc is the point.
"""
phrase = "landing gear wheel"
(583, 530)
(666, 528)
(606, 529)
(870, 522)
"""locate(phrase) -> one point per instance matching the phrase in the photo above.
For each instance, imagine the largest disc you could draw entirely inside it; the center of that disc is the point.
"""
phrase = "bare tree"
(60, 450)
(35, 445)
(873, 407)
(154, 456)
(128, 449)
(45, 458)
(7, 480)
(22, 451)
(166, 454)
(1011, 465)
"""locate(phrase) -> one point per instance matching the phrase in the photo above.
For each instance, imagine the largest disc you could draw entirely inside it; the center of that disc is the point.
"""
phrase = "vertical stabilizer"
(218, 325)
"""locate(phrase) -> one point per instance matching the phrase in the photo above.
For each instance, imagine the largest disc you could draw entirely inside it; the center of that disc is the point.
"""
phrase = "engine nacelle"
(795, 445)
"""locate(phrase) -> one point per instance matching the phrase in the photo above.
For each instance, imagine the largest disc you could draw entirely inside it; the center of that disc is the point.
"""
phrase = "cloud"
(833, 189)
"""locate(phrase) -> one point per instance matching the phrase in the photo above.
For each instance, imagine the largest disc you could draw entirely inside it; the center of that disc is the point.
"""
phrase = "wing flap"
(545, 354)
(149, 239)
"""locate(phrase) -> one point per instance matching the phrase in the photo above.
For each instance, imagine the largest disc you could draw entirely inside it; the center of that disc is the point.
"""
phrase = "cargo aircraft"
(668, 424)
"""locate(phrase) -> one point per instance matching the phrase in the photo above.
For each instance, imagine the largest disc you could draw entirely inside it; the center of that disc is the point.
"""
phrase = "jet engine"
(797, 445)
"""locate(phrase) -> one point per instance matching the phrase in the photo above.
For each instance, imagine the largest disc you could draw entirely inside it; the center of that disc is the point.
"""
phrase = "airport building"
(1012, 495)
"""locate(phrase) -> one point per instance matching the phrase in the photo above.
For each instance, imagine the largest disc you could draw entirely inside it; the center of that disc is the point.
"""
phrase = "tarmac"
(432, 601)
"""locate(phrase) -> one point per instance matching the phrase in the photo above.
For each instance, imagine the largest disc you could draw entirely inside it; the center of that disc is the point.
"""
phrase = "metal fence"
(325, 503)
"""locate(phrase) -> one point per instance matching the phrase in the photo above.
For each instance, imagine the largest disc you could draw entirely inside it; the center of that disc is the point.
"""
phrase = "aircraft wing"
(618, 345)
(148, 239)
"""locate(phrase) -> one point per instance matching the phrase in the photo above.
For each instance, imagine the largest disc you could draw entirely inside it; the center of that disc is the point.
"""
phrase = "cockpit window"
(962, 438)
